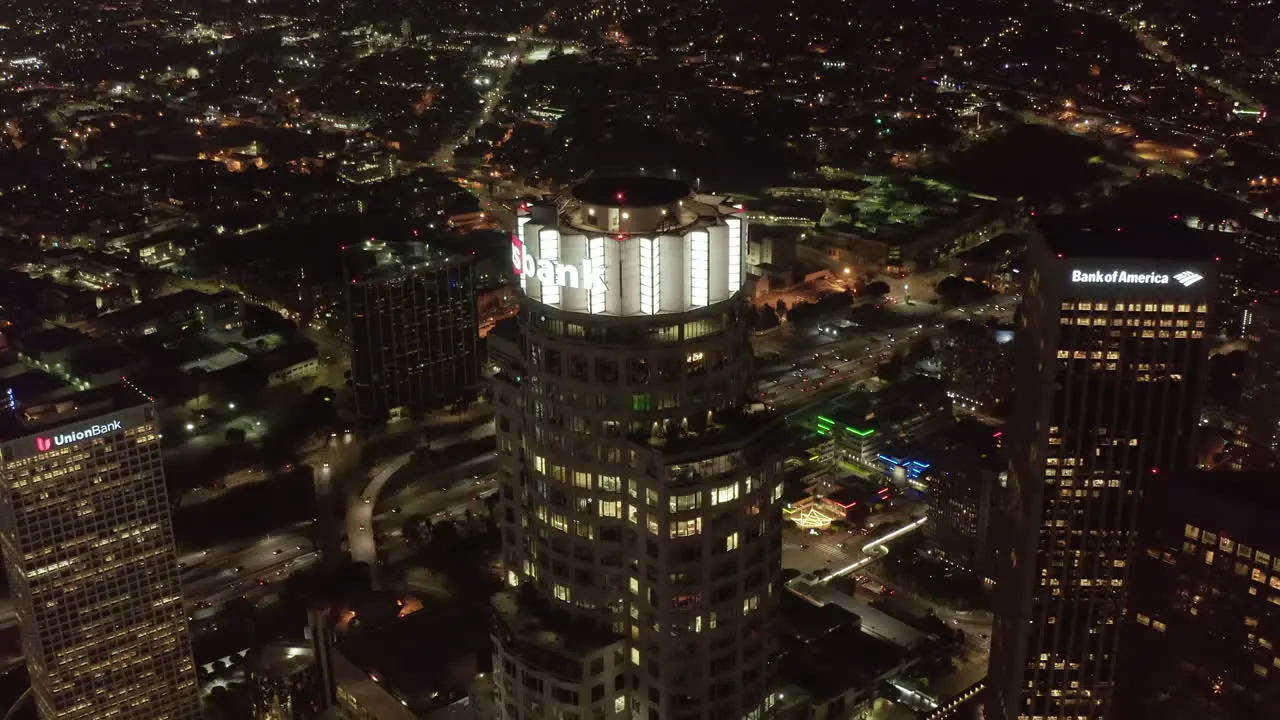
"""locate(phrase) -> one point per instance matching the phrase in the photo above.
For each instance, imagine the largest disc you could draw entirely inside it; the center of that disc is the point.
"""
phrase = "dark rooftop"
(635, 192)
(162, 306)
(51, 340)
(842, 659)
(434, 650)
(1124, 237)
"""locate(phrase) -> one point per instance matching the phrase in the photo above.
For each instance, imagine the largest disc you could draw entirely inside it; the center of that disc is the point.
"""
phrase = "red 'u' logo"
(43, 444)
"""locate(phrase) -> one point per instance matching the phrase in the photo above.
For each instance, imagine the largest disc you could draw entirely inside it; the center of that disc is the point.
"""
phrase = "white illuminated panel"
(699, 268)
(595, 256)
(735, 253)
(650, 275)
(549, 255)
(521, 221)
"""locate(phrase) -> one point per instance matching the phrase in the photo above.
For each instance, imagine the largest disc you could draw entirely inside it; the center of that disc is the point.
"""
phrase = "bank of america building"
(89, 551)
(1109, 374)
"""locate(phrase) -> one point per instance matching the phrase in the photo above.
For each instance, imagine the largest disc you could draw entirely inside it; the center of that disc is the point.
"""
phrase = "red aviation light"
(619, 197)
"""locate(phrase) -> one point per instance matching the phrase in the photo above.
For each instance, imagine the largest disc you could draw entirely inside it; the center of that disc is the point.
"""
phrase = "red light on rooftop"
(1059, 254)
(1155, 471)
(619, 197)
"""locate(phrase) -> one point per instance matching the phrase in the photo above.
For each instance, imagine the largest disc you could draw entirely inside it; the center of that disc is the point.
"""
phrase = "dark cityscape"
(639, 360)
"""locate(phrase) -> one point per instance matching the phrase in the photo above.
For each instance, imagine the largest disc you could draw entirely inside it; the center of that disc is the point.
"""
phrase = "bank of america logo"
(1188, 278)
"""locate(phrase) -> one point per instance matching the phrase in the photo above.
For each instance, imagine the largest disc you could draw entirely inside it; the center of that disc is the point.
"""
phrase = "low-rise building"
(174, 315)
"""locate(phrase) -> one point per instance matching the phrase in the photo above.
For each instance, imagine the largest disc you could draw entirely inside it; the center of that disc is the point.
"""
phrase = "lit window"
(731, 542)
(635, 656)
(610, 508)
(610, 483)
(686, 528)
(1192, 532)
(562, 593)
(724, 494)
(582, 479)
(681, 503)
(750, 604)
(635, 586)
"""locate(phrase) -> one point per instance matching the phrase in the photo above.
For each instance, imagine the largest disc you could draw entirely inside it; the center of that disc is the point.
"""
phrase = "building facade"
(93, 573)
(413, 329)
(1202, 635)
(639, 510)
(1260, 392)
(977, 365)
(1110, 360)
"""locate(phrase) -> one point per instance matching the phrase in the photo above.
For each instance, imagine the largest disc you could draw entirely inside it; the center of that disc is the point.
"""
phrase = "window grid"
(699, 268)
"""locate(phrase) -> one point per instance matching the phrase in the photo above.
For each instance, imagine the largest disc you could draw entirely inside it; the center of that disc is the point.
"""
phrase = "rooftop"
(722, 427)
(428, 658)
(843, 659)
(284, 658)
(631, 192)
(1123, 237)
(84, 405)
(374, 260)
(163, 306)
(539, 625)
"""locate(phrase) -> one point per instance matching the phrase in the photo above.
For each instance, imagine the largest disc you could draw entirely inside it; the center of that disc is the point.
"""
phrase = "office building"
(640, 505)
(976, 363)
(89, 551)
(413, 330)
(286, 683)
(1260, 391)
(960, 481)
(1110, 360)
(1202, 635)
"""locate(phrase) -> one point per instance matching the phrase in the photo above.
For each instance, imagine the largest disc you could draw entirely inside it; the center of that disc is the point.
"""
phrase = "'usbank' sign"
(44, 444)
(551, 272)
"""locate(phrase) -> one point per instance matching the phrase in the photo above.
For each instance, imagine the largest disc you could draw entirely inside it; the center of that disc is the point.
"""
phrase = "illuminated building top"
(630, 246)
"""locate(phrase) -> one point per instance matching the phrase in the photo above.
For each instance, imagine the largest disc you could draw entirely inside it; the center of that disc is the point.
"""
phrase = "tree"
(891, 370)
(780, 308)
(921, 349)
(877, 288)
(764, 318)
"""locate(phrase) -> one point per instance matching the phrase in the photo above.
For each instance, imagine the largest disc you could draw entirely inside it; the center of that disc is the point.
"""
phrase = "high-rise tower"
(1109, 364)
(412, 326)
(639, 509)
(1260, 392)
(89, 550)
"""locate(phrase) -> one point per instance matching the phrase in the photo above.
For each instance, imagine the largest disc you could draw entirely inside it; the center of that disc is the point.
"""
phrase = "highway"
(843, 364)
(361, 533)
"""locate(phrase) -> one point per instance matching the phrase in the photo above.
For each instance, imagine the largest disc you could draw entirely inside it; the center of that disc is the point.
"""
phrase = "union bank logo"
(44, 444)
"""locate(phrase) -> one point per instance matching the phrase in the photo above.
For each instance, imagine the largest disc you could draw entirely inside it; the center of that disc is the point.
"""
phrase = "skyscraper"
(89, 551)
(639, 507)
(1260, 391)
(1109, 370)
(412, 327)
(1202, 635)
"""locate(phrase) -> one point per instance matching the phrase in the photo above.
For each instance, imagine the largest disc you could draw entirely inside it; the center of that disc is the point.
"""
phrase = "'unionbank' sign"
(551, 272)
(45, 444)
